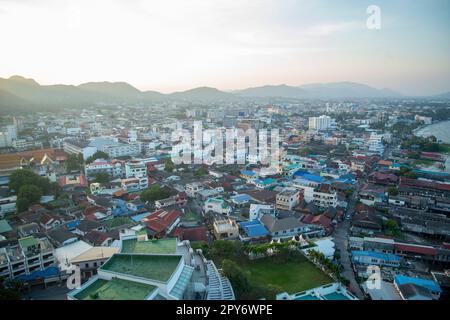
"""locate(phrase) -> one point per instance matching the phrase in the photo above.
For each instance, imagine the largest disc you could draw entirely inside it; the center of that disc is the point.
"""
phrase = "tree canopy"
(154, 193)
(102, 177)
(97, 155)
(30, 187)
(74, 162)
(27, 196)
(168, 165)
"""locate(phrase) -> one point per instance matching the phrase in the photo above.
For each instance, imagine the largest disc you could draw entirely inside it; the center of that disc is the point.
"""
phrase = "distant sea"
(440, 130)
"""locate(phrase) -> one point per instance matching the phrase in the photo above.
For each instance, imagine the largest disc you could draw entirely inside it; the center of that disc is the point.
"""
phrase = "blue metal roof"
(139, 217)
(248, 173)
(73, 224)
(377, 255)
(429, 284)
(46, 273)
(241, 198)
(308, 176)
(266, 181)
(254, 228)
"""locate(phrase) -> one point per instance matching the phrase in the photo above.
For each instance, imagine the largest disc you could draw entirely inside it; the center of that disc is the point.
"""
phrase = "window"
(86, 265)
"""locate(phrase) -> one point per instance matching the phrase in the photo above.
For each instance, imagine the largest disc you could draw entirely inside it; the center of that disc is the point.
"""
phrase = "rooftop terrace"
(153, 267)
(115, 289)
(158, 246)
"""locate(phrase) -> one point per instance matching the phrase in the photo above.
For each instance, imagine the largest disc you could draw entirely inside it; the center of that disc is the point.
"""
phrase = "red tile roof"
(191, 234)
(93, 209)
(320, 219)
(425, 250)
(96, 237)
(119, 193)
(160, 220)
(424, 184)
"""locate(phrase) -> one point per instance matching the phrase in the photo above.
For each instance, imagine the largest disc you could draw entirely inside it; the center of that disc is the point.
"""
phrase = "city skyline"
(227, 46)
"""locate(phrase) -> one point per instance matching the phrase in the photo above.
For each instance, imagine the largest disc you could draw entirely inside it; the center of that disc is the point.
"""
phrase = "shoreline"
(416, 131)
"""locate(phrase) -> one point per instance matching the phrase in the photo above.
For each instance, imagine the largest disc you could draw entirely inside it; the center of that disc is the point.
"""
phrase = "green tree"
(224, 249)
(154, 193)
(237, 277)
(97, 155)
(102, 177)
(168, 165)
(74, 162)
(27, 196)
(392, 191)
(23, 177)
(9, 289)
(202, 171)
(391, 228)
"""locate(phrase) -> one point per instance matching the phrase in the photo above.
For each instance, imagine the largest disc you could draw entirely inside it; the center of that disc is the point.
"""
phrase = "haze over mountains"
(21, 93)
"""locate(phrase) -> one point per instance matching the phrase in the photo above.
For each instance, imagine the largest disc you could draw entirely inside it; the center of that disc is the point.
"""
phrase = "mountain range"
(22, 94)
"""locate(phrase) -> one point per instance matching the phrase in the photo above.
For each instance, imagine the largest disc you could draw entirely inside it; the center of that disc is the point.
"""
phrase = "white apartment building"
(258, 210)
(134, 184)
(323, 196)
(320, 123)
(287, 199)
(22, 144)
(217, 205)
(7, 136)
(426, 120)
(79, 147)
(193, 188)
(375, 143)
(100, 165)
(114, 148)
(135, 168)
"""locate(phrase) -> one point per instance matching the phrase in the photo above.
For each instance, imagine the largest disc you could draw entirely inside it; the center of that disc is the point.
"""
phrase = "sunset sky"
(170, 45)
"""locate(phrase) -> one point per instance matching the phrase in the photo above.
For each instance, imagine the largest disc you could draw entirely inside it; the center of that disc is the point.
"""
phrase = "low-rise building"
(217, 205)
(89, 261)
(25, 257)
(225, 229)
(287, 199)
(192, 189)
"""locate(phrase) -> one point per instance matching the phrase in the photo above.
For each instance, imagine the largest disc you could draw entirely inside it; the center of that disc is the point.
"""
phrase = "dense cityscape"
(217, 158)
(356, 207)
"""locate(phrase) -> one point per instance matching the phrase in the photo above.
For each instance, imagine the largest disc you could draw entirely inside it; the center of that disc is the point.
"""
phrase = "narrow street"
(341, 240)
(340, 235)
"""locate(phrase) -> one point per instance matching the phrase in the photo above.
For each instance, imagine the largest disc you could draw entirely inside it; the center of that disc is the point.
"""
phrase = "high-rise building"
(320, 123)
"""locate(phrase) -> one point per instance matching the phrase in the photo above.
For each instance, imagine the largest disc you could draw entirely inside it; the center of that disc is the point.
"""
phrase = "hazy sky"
(169, 45)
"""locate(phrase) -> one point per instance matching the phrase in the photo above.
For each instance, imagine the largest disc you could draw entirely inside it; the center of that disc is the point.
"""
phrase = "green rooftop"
(115, 289)
(4, 226)
(156, 246)
(152, 267)
(28, 242)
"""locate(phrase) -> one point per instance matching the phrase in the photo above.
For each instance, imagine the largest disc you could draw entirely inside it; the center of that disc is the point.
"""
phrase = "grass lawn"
(190, 216)
(293, 276)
